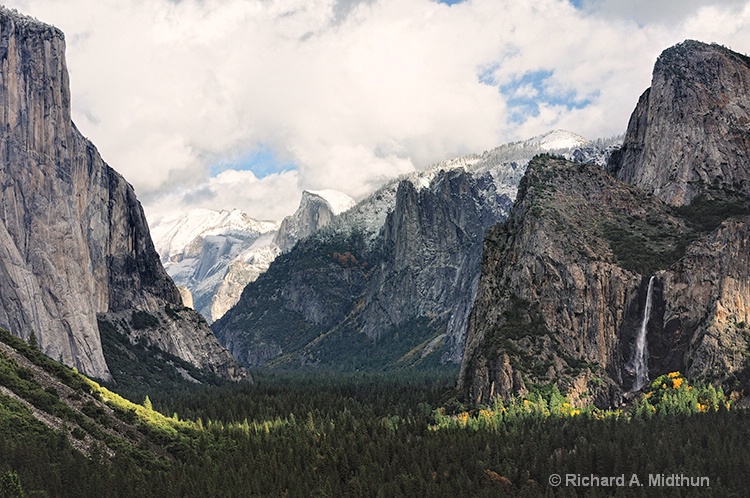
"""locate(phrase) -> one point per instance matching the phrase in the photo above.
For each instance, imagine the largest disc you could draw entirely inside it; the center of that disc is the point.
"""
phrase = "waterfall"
(639, 361)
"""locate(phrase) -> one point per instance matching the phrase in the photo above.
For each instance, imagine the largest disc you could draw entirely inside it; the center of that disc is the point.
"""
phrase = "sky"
(243, 104)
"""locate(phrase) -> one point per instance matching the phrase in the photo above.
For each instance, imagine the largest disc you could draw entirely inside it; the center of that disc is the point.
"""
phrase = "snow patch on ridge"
(559, 139)
(338, 201)
(172, 236)
(506, 163)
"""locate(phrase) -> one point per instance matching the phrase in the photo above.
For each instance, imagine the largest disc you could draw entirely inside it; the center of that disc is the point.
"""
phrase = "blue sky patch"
(525, 94)
(486, 74)
(262, 161)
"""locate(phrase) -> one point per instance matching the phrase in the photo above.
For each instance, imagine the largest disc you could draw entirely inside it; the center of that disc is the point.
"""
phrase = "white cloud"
(646, 12)
(350, 91)
(229, 188)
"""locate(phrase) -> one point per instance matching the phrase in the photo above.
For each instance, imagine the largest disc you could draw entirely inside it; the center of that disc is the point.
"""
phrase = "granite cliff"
(390, 281)
(430, 257)
(345, 298)
(74, 243)
(562, 285)
(690, 128)
(564, 281)
(316, 210)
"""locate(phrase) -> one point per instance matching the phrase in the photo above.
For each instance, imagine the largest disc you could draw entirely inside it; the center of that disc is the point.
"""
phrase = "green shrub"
(140, 320)
(709, 209)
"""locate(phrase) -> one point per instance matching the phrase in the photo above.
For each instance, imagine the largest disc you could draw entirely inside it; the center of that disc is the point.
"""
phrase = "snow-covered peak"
(316, 209)
(337, 201)
(506, 163)
(171, 236)
(558, 139)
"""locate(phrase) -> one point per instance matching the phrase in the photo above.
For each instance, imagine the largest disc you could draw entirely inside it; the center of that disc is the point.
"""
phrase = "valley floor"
(373, 435)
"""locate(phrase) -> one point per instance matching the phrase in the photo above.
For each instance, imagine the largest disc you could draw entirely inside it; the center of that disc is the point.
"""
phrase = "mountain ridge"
(214, 254)
(397, 278)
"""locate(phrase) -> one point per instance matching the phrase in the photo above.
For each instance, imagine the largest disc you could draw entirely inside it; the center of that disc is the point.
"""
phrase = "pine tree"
(33, 341)
(10, 485)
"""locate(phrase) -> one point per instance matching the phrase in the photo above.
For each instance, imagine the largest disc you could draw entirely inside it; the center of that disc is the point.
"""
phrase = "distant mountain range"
(214, 254)
(391, 280)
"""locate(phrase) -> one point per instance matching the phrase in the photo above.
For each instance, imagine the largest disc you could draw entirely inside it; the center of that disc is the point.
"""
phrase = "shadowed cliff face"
(74, 242)
(313, 213)
(564, 285)
(707, 301)
(343, 301)
(555, 302)
(691, 129)
(431, 247)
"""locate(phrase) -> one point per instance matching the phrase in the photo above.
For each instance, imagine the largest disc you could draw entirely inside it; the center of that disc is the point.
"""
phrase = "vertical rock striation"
(343, 299)
(74, 242)
(316, 210)
(554, 303)
(707, 302)
(431, 246)
(691, 129)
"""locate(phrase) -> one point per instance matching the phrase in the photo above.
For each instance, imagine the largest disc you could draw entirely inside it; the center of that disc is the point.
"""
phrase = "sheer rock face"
(707, 301)
(314, 212)
(564, 281)
(560, 301)
(552, 301)
(74, 242)
(690, 135)
(187, 297)
(692, 127)
(432, 253)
